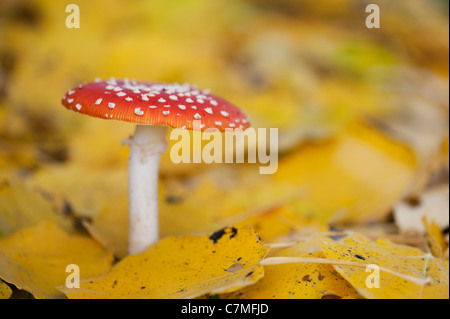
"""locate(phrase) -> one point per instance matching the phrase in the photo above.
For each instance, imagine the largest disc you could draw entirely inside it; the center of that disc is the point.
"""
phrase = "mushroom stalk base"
(146, 147)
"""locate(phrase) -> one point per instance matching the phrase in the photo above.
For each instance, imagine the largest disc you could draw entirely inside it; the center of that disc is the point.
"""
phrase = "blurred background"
(362, 113)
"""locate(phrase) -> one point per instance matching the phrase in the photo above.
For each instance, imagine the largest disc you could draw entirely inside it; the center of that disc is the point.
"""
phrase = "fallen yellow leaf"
(5, 290)
(35, 258)
(22, 207)
(182, 267)
(435, 239)
(345, 178)
(399, 266)
(299, 280)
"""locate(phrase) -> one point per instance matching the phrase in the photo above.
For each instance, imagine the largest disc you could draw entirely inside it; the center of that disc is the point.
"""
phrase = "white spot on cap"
(109, 87)
(70, 92)
(197, 116)
(167, 105)
(98, 101)
(224, 113)
(69, 100)
(117, 89)
(173, 97)
(194, 107)
(218, 123)
(129, 99)
(200, 101)
(161, 100)
(213, 102)
(166, 112)
(152, 106)
(181, 106)
(209, 110)
(189, 100)
(78, 106)
(111, 105)
(232, 125)
(138, 111)
(121, 94)
(244, 121)
(144, 97)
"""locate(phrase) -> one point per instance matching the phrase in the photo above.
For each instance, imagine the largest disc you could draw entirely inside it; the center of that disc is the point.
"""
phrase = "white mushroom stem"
(146, 147)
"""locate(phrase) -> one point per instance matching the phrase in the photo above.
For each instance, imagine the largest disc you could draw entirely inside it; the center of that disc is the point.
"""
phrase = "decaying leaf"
(399, 260)
(299, 280)
(35, 258)
(344, 179)
(182, 267)
(11, 272)
(20, 207)
(432, 204)
(435, 238)
(281, 221)
(5, 290)
(88, 190)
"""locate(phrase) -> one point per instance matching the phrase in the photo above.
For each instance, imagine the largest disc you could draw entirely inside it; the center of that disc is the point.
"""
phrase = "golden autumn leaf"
(35, 258)
(20, 206)
(5, 290)
(299, 280)
(403, 269)
(13, 273)
(87, 190)
(362, 119)
(344, 178)
(435, 238)
(280, 221)
(182, 267)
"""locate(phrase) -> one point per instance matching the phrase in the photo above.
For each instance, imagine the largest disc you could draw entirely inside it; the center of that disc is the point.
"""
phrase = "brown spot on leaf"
(235, 267)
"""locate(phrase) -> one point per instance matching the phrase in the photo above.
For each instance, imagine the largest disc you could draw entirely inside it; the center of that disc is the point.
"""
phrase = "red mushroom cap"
(146, 103)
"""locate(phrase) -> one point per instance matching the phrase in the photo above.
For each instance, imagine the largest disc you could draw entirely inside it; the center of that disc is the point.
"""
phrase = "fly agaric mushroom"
(153, 107)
